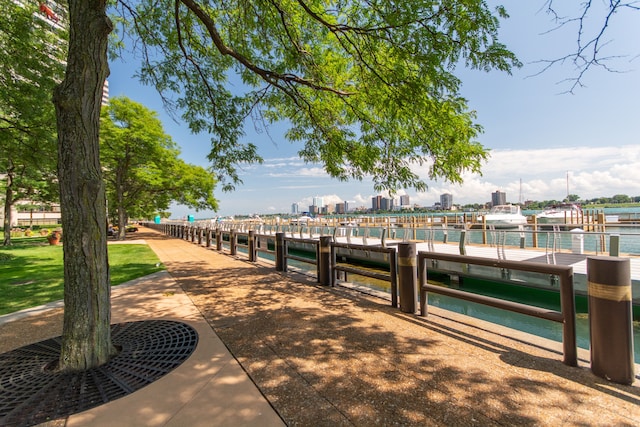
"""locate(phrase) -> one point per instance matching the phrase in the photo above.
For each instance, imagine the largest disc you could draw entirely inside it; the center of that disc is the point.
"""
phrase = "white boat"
(504, 216)
(564, 213)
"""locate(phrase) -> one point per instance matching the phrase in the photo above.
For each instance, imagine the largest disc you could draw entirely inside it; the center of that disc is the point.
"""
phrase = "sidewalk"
(208, 389)
(327, 356)
(334, 357)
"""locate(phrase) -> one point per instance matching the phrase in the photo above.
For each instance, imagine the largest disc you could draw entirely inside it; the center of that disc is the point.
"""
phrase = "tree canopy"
(32, 64)
(142, 170)
(368, 88)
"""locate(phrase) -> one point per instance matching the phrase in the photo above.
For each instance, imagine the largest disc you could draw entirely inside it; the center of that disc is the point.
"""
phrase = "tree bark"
(86, 336)
(8, 203)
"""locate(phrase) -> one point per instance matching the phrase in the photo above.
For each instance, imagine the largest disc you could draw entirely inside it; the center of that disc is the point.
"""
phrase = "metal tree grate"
(30, 394)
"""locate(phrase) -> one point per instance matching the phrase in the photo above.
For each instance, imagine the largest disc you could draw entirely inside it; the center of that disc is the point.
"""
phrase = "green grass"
(31, 271)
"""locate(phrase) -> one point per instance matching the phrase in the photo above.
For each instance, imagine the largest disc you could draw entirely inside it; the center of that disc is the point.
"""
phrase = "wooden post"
(252, 246)
(324, 261)
(407, 277)
(611, 318)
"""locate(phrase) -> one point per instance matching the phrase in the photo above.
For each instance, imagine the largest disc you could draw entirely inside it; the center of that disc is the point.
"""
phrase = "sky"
(544, 143)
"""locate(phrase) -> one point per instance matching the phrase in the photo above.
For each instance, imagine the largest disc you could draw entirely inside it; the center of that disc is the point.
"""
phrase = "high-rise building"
(376, 203)
(295, 208)
(105, 93)
(318, 201)
(404, 201)
(498, 198)
(446, 201)
(386, 204)
(341, 208)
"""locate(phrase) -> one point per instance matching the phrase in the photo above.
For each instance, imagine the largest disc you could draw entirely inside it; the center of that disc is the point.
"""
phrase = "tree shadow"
(328, 357)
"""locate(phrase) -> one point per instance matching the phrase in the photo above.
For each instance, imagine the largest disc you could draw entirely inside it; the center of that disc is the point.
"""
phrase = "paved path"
(332, 357)
(325, 356)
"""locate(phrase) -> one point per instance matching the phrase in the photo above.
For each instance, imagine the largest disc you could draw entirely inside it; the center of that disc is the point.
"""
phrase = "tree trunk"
(8, 203)
(86, 335)
(122, 225)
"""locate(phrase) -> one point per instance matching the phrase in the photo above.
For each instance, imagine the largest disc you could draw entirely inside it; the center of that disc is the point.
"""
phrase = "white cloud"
(537, 174)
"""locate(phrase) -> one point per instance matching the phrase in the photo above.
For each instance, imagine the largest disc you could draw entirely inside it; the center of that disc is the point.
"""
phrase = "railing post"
(199, 235)
(208, 241)
(568, 309)
(463, 238)
(393, 273)
(280, 262)
(218, 239)
(407, 277)
(422, 280)
(324, 261)
(611, 318)
(252, 246)
(614, 245)
(233, 240)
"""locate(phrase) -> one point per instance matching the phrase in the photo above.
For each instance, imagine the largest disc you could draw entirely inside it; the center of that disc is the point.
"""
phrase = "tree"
(32, 64)
(621, 198)
(141, 167)
(86, 333)
(591, 38)
(368, 87)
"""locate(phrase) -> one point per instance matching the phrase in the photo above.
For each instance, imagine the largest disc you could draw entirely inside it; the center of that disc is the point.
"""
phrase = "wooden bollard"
(324, 261)
(611, 318)
(407, 277)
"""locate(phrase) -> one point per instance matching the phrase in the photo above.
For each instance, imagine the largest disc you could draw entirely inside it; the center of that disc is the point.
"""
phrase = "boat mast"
(520, 196)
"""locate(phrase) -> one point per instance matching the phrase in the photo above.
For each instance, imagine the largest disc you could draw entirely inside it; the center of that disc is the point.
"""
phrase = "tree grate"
(31, 394)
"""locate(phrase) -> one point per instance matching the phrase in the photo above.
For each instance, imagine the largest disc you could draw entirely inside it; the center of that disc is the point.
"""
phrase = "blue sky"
(537, 134)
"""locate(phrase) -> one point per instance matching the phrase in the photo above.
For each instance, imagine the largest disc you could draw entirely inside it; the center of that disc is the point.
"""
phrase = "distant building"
(446, 201)
(405, 202)
(318, 201)
(341, 208)
(349, 206)
(376, 203)
(295, 208)
(498, 198)
(386, 204)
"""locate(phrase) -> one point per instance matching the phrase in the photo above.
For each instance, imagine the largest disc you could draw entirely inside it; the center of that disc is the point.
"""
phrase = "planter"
(54, 238)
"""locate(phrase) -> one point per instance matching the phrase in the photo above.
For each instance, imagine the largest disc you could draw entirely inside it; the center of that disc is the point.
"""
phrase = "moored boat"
(504, 216)
(564, 213)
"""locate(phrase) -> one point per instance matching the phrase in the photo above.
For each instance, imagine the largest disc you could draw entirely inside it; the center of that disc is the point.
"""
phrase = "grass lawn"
(31, 271)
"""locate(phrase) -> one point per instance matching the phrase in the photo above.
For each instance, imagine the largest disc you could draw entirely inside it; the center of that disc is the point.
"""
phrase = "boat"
(504, 216)
(563, 213)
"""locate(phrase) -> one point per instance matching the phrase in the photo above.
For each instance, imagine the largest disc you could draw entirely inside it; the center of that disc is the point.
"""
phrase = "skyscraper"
(446, 201)
(498, 198)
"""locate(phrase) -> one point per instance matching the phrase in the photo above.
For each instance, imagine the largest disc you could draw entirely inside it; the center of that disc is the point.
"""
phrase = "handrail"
(392, 277)
(567, 315)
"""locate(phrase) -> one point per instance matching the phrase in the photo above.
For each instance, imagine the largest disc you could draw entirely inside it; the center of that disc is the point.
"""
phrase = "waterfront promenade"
(331, 356)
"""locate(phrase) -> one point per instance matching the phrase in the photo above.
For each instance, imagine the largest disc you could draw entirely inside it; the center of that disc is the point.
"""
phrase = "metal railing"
(400, 276)
(391, 277)
(567, 315)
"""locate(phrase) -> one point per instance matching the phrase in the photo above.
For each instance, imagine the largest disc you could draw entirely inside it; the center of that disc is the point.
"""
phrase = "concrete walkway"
(209, 389)
(334, 357)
